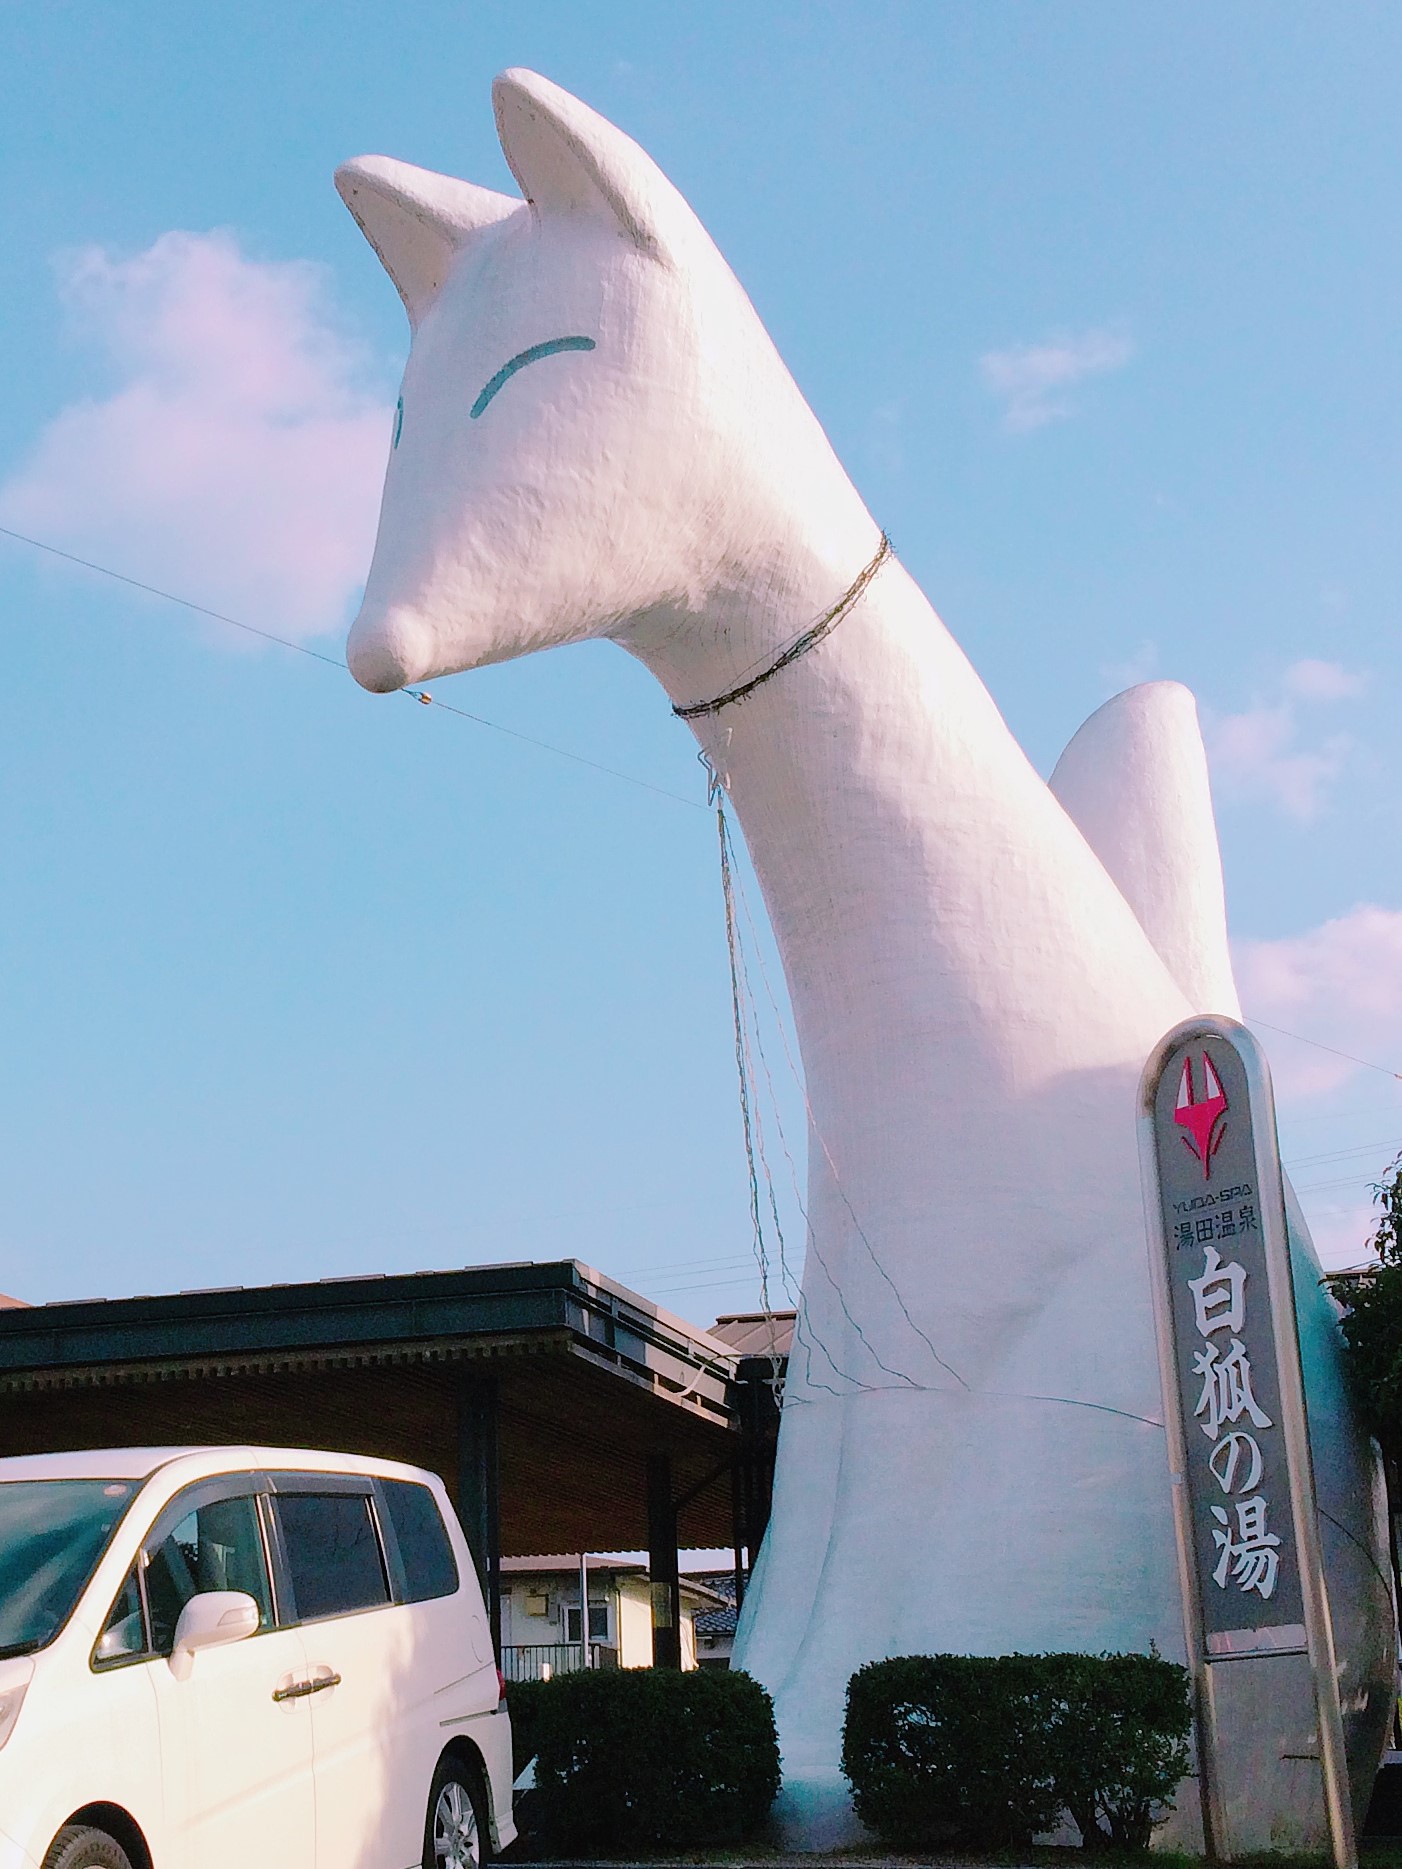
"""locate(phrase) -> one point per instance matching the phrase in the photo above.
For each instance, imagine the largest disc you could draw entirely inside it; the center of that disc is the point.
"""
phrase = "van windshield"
(52, 1533)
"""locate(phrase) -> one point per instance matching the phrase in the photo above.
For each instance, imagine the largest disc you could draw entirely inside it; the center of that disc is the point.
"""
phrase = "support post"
(662, 1564)
(479, 1506)
(737, 1532)
(758, 1411)
(584, 1609)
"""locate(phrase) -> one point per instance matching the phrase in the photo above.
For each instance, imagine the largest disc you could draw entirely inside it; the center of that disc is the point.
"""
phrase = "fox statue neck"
(958, 961)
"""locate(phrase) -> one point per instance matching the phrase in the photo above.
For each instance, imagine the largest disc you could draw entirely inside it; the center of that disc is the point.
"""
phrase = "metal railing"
(540, 1661)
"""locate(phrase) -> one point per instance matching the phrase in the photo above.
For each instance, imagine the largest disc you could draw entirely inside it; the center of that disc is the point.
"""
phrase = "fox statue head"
(595, 436)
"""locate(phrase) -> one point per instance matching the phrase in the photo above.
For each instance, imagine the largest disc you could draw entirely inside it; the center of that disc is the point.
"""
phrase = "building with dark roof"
(564, 1412)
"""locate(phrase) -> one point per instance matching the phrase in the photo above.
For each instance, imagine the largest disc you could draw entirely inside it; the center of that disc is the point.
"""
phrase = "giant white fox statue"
(597, 438)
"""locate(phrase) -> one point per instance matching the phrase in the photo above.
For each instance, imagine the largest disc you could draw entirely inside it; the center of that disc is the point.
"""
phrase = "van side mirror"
(210, 1620)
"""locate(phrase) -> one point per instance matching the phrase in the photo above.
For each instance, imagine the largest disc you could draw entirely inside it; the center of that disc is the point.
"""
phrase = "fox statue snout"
(388, 649)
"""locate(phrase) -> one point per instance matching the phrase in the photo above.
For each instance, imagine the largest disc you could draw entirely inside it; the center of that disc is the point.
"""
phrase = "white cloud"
(1261, 752)
(1034, 380)
(1321, 681)
(238, 459)
(1256, 752)
(1339, 985)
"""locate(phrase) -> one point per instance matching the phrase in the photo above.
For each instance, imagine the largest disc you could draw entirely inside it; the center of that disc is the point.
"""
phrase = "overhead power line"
(1333, 1050)
(423, 696)
(316, 655)
(1392, 1145)
(1347, 1181)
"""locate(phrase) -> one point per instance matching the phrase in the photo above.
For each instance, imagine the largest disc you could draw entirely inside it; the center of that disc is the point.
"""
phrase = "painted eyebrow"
(532, 354)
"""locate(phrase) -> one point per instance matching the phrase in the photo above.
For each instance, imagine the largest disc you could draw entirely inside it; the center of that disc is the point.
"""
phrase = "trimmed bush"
(991, 1751)
(522, 1701)
(949, 1748)
(633, 1759)
(1119, 1733)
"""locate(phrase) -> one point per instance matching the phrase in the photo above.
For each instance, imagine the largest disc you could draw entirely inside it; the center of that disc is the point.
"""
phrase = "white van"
(243, 1658)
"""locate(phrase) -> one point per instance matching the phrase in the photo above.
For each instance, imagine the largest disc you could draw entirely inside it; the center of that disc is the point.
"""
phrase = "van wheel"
(79, 1846)
(456, 1835)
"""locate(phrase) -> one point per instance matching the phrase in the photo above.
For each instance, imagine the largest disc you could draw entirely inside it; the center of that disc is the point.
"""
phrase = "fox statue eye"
(532, 354)
(398, 423)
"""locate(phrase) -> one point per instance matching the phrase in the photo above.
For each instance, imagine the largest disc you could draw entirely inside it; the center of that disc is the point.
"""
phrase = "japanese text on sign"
(1224, 1343)
(1249, 1550)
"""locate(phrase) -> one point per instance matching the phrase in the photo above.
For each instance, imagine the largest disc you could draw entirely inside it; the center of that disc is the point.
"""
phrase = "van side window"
(218, 1546)
(333, 1553)
(124, 1632)
(429, 1566)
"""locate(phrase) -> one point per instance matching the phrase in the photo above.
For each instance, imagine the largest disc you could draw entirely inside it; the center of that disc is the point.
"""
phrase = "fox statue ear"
(569, 160)
(416, 221)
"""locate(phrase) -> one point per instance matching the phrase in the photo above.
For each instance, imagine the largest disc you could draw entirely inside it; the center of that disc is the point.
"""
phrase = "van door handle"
(298, 1690)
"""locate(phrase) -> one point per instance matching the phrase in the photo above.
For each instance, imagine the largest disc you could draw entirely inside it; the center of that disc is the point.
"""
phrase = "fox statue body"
(597, 438)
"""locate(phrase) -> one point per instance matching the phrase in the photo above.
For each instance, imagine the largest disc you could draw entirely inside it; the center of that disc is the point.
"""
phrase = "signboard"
(1243, 1539)
(1255, 1611)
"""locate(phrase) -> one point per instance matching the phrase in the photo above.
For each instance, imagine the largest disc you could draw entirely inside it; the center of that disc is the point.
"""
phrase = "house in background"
(757, 1333)
(540, 1624)
(715, 1627)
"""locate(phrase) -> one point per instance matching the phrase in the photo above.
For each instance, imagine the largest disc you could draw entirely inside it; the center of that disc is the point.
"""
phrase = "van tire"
(456, 1789)
(79, 1846)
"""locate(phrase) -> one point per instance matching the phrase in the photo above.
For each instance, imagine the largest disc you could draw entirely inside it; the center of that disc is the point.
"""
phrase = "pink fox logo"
(1205, 1117)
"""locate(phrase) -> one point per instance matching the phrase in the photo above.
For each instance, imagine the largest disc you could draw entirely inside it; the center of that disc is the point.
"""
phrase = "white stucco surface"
(1134, 779)
(972, 1454)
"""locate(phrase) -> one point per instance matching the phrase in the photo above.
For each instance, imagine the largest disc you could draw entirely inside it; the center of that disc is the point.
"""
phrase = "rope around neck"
(810, 639)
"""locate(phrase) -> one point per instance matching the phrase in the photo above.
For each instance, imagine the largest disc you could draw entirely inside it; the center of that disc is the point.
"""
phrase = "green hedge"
(1372, 1320)
(991, 1751)
(632, 1759)
(522, 1702)
(1120, 1731)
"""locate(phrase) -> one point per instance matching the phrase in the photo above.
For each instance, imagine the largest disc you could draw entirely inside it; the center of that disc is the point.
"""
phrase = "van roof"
(139, 1463)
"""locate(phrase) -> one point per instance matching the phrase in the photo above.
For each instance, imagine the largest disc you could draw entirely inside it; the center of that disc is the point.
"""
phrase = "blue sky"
(1099, 304)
